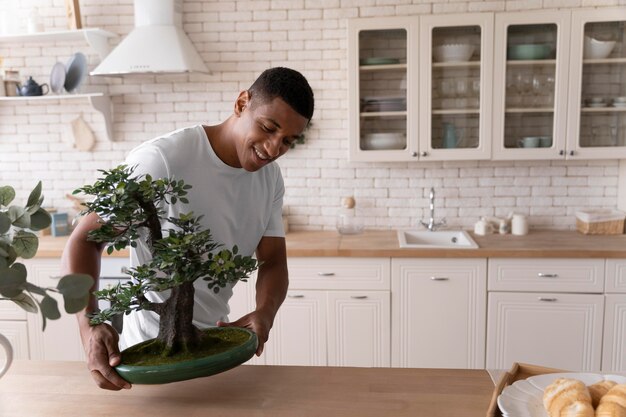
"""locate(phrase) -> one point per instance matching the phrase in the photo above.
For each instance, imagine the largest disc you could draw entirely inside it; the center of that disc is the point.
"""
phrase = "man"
(238, 189)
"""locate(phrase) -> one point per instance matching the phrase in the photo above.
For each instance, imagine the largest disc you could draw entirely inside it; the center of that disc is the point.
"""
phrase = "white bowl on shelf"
(596, 49)
(457, 52)
(383, 141)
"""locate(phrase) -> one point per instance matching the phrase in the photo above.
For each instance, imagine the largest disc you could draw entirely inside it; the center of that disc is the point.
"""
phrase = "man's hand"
(102, 355)
(257, 321)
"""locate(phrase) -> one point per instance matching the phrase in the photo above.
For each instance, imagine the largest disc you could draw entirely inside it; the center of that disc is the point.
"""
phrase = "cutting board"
(84, 139)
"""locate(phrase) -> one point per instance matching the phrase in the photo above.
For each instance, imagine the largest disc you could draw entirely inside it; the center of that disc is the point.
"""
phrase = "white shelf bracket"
(104, 106)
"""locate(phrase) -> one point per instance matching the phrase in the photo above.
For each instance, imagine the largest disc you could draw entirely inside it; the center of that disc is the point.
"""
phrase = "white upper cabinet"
(530, 85)
(597, 109)
(455, 86)
(382, 89)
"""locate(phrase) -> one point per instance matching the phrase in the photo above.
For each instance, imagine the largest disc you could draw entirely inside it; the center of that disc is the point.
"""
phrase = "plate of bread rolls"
(565, 395)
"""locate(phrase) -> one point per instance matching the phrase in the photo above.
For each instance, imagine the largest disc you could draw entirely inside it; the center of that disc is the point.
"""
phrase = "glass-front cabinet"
(597, 110)
(530, 84)
(455, 86)
(547, 84)
(382, 110)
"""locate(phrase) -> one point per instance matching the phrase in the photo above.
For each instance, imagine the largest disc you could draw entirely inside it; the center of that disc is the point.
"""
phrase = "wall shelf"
(97, 39)
(101, 102)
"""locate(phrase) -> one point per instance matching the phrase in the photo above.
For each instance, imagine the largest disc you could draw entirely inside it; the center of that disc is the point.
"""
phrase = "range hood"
(157, 44)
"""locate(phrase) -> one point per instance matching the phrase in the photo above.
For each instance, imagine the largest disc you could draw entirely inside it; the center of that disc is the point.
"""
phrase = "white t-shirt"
(238, 207)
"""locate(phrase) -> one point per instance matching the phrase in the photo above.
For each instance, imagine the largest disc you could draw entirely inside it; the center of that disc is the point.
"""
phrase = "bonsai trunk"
(176, 330)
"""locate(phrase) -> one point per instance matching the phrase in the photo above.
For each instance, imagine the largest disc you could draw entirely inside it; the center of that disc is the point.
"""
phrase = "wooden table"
(65, 389)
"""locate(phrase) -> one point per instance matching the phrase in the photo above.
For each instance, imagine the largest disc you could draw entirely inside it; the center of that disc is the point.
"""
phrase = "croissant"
(598, 390)
(567, 397)
(613, 403)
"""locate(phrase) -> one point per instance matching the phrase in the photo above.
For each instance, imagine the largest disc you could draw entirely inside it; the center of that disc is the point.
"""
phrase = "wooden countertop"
(384, 243)
(45, 388)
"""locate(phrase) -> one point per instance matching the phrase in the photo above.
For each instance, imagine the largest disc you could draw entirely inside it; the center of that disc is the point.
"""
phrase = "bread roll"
(598, 390)
(613, 403)
(567, 397)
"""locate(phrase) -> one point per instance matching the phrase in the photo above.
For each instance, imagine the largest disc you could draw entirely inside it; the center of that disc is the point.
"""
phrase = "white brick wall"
(240, 38)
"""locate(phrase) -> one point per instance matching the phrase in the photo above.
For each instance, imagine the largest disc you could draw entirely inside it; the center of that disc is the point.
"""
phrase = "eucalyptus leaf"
(40, 220)
(34, 196)
(7, 194)
(75, 305)
(75, 285)
(25, 244)
(3, 262)
(12, 281)
(49, 308)
(26, 302)
(19, 216)
(5, 223)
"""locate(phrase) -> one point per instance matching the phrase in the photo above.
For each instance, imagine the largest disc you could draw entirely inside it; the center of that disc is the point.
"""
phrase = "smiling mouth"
(261, 155)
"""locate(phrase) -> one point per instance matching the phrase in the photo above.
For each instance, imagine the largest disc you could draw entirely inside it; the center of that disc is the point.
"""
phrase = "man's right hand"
(102, 355)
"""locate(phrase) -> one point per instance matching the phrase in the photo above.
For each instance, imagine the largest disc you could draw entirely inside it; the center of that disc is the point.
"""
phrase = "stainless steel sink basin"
(450, 239)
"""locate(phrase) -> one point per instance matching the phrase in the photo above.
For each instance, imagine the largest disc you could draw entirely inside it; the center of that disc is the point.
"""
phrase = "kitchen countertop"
(47, 388)
(384, 243)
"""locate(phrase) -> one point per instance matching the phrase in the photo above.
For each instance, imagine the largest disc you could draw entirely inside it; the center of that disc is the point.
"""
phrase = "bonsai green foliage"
(180, 256)
(17, 240)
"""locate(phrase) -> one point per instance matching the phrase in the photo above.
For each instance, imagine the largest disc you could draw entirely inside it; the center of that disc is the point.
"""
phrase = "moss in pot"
(182, 253)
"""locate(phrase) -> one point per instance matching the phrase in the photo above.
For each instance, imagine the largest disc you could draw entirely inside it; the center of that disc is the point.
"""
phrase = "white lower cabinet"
(337, 313)
(17, 333)
(438, 313)
(546, 312)
(61, 339)
(614, 345)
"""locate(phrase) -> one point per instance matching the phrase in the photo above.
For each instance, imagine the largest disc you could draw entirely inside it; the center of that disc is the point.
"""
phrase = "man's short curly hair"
(286, 83)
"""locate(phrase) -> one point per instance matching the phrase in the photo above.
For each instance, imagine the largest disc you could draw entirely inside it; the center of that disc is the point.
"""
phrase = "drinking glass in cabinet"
(603, 89)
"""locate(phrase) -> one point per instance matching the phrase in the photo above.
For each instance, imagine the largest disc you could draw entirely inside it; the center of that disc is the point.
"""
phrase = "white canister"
(519, 225)
(481, 228)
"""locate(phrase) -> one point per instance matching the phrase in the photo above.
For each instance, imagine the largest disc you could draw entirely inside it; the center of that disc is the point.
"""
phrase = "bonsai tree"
(17, 240)
(182, 252)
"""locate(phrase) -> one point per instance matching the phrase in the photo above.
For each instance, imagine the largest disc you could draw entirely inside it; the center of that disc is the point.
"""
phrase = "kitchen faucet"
(432, 225)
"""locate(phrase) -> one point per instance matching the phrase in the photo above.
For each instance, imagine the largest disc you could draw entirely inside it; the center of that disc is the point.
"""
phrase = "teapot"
(31, 88)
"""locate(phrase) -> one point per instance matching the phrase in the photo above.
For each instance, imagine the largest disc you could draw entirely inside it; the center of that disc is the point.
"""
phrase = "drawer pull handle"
(325, 274)
(296, 296)
(358, 297)
(542, 275)
(549, 299)
(439, 278)
(124, 270)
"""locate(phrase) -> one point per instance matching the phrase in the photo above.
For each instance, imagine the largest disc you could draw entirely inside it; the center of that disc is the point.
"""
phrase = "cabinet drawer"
(339, 273)
(616, 275)
(558, 275)
(11, 311)
(113, 266)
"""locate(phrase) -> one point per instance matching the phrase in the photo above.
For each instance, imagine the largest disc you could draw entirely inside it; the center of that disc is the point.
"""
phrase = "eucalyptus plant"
(17, 240)
(182, 252)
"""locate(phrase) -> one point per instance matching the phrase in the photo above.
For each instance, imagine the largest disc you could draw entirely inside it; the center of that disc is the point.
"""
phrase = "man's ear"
(243, 101)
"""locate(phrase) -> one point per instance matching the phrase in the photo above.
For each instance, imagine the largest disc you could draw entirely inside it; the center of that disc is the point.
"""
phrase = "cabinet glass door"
(531, 75)
(458, 86)
(599, 114)
(380, 106)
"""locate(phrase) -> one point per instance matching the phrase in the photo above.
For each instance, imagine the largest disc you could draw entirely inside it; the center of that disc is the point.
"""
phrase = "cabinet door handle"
(542, 275)
(358, 297)
(124, 270)
(295, 296)
(439, 278)
(549, 299)
(326, 274)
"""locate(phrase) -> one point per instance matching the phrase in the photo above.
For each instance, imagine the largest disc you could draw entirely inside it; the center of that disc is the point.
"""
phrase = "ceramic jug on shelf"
(6, 345)
(450, 136)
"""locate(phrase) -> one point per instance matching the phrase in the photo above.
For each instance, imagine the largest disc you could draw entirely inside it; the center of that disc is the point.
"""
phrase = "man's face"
(267, 131)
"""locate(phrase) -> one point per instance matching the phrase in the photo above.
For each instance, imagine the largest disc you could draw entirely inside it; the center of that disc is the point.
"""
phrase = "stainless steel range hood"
(156, 45)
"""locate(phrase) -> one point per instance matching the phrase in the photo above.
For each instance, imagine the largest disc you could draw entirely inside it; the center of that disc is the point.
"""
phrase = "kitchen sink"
(451, 239)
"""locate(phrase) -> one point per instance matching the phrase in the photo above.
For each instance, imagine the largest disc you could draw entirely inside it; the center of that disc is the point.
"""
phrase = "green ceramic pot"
(195, 368)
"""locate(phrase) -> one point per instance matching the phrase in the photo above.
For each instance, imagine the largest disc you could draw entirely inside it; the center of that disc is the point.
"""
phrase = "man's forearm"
(271, 288)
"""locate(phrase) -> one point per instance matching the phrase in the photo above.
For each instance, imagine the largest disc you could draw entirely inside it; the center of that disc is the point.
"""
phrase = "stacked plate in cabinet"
(383, 103)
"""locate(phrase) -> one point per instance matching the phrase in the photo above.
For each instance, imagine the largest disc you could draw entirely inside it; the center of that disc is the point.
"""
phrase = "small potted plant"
(182, 252)
(17, 240)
